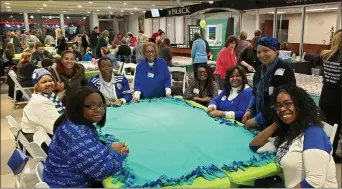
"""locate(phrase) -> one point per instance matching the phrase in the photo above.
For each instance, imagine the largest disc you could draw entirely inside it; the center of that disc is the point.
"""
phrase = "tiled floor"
(7, 145)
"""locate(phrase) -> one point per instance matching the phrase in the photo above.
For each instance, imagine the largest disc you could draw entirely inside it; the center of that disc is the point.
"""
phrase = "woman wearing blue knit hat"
(44, 107)
(271, 74)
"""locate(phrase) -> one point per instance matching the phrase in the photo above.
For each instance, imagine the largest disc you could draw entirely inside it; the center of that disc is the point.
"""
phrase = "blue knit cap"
(269, 42)
(39, 73)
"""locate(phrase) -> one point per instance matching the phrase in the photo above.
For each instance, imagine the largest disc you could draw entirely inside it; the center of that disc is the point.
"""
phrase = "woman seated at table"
(114, 87)
(88, 55)
(298, 137)
(105, 52)
(233, 101)
(203, 88)
(7, 57)
(49, 103)
(31, 48)
(273, 73)
(76, 52)
(25, 69)
(40, 54)
(77, 157)
(69, 74)
(152, 77)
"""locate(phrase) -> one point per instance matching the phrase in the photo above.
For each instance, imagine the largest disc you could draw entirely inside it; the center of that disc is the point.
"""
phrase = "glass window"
(289, 25)
(320, 24)
(249, 23)
(266, 21)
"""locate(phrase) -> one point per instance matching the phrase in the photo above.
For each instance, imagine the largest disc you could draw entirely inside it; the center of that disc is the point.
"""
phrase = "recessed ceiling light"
(79, 6)
(68, 17)
(31, 16)
(90, 2)
(84, 18)
(121, 10)
(160, 9)
(44, 5)
(109, 7)
(144, 11)
(97, 10)
(41, 8)
(125, 3)
(7, 3)
(8, 7)
(71, 9)
(211, 2)
(135, 8)
(88, 12)
(111, 12)
(64, 11)
(20, 13)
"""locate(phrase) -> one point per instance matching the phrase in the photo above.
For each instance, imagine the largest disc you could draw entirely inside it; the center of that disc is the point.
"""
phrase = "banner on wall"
(213, 34)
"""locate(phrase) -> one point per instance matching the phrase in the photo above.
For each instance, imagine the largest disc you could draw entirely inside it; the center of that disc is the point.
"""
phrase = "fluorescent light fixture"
(144, 11)
(132, 13)
(31, 16)
(211, 2)
(88, 12)
(125, 3)
(84, 18)
(64, 11)
(109, 7)
(111, 12)
(333, 8)
(44, 5)
(97, 10)
(68, 17)
(90, 2)
(135, 8)
(160, 9)
(71, 9)
(7, 3)
(121, 10)
(41, 8)
(8, 7)
(79, 6)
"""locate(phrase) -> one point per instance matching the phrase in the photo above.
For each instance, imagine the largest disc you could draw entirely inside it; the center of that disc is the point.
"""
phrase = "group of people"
(72, 107)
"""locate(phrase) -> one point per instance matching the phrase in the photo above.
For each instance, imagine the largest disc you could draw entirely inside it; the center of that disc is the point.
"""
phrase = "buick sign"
(179, 11)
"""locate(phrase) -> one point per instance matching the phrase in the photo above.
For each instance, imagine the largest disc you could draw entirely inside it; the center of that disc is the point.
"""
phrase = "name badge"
(270, 90)
(224, 98)
(150, 75)
(280, 71)
(196, 91)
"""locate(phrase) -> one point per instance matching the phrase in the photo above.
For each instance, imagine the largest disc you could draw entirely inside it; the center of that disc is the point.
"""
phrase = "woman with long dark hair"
(233, 101)
(330, 100)
(77, 157)
(203, 88)
(248, 56)
(302, 147)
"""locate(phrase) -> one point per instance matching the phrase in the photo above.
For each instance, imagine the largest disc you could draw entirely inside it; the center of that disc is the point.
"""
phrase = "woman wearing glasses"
(298, 137)
(203, 88)
(272, 74)
(114, 87)
(77, 157)
(152, 77)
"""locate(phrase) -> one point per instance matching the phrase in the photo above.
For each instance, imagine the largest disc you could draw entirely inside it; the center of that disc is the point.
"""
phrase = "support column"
(339, 19)
(61, 17)
(26, 22)
(275, 17)
(94, 21)
(302, 32)
(257, 20)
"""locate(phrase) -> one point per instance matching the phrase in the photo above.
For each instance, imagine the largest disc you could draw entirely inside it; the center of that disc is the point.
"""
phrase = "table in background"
(302, 67)
(233, 179)
(311, 84)
(18, 56)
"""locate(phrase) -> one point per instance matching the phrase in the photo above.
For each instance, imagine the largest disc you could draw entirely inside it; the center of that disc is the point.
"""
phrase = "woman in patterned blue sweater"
(77, 157)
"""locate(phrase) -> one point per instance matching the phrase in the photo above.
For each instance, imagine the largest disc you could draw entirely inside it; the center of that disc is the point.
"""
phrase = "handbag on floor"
(19, 159)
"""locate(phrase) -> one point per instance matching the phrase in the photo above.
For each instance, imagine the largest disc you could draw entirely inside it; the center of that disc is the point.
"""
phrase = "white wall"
(148, 27)
(133, 24)
(248, 25)
(162, 24)
(179, 24)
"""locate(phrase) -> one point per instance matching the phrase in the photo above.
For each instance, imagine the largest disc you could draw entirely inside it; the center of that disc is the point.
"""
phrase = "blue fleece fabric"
(152, 81)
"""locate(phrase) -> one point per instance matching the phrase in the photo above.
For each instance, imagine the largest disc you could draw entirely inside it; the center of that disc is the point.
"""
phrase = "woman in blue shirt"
(114, 87)
(152, 77)
(77, 157)
(198, 51)
(233, 101)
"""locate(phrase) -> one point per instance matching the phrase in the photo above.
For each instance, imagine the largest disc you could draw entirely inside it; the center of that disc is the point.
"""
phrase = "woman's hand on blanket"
(117, 103)
(251, 123)
(107, 102)
(217, 113)
(247, 116)
(210, 109)
(121, 148)
(135, 99)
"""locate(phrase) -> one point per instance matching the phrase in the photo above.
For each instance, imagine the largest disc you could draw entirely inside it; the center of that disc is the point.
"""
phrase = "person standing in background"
(242, 44)
(155, 35)
(40, 36)
(161, 37)
(198, 52)
(16, 41)
(111, 36)
(139, 55)
(225, 59)
(85, 41)
(118, 38)
(330, 100)
(165, 52)
(49, 40)
(132, 40)
(94, 36)
(102, 42)
(249, 58)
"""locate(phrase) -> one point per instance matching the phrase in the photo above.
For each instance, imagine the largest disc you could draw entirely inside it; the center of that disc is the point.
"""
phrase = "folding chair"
(39, 173)
(330, 130)
(185, 77)
(40, 136)
(129, 76)
(17, 87)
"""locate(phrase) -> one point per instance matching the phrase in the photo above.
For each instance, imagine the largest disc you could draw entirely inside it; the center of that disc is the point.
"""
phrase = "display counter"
(181, 51)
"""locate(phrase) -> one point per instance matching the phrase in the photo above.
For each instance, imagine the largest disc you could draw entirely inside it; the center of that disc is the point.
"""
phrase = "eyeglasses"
(286, 105)
(150, 52)
(94, 107)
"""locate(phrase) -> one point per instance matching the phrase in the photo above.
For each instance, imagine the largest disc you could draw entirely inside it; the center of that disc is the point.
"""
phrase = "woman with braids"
(233, 101)
(302, 148)
(203, 88)
(330, 100)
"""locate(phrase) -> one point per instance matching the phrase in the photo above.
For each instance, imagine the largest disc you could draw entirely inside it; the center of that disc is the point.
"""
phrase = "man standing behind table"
(16, 41)
(242, 43)
(94, 36)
